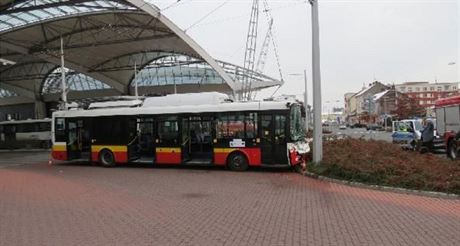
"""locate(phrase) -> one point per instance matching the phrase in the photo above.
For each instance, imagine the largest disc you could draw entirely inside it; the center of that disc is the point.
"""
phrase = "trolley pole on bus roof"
(317, 126)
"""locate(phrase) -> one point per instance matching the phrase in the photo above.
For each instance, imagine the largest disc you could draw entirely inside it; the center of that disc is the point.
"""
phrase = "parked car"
(342, 127)
(358, 125)
(374, 127)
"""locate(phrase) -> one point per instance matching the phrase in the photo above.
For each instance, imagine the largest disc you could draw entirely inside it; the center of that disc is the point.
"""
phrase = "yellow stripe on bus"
(223, 150)
(59, 148)
(168, 150)
(113, 148)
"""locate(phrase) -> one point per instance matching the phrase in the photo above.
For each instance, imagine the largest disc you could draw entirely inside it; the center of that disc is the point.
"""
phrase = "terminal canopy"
(103, 42)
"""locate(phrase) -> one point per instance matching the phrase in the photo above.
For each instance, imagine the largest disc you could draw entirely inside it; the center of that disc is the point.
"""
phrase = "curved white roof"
(99, 37)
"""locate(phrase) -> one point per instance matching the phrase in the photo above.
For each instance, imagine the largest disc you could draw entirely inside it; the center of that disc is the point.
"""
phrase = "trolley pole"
(317, 126)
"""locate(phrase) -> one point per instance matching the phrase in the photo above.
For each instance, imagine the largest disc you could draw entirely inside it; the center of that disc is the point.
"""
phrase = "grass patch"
(381, 163)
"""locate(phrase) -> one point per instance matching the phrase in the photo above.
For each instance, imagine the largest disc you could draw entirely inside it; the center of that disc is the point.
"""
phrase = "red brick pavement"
(87, 205)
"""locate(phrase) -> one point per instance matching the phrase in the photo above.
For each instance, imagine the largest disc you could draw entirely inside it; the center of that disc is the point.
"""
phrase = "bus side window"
(60, 130)
(168, 129)
(230, 126)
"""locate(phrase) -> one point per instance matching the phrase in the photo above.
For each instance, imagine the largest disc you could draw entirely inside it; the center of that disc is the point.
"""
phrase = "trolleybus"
(16, 134)
(183, 129)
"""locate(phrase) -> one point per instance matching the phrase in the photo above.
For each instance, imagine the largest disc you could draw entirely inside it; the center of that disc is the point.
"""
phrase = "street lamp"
(305, 96)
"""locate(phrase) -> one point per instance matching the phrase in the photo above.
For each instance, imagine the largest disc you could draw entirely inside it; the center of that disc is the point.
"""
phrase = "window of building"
(454, 87)
(409, 89)
(431, 88)
(421, 102)
(439, 88)
(417, 88)
(422, 95)
(446, 87)
(425, 89)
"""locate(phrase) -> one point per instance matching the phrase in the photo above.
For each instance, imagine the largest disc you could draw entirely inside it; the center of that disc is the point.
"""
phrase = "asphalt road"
(80, 204)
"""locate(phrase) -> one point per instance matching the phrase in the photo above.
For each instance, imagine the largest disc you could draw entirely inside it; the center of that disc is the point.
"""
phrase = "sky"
(392, 41)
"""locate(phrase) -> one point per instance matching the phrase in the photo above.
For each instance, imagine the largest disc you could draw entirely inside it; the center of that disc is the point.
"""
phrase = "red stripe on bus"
(121, 157)
(169, 158)
(253, 155)
(59, 155)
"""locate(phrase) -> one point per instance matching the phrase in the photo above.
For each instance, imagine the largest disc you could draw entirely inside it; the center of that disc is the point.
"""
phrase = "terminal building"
(103, 42)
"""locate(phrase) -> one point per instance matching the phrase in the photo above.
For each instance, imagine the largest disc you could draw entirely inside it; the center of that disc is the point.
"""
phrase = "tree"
(407, 107)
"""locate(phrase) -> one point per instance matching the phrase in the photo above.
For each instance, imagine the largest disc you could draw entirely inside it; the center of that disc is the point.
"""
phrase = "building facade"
(425, 93)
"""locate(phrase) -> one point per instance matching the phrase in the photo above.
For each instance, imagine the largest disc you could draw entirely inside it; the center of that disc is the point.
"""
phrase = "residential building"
(426, 93)
(359, 106)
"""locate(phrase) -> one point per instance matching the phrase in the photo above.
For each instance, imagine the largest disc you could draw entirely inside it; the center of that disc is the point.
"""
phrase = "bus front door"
(273, 141)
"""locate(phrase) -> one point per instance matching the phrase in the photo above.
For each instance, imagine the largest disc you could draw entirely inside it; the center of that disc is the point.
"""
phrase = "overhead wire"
(206, 16)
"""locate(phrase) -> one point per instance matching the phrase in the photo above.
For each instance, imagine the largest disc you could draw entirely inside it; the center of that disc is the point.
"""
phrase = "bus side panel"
(253, 155)
(59, 151)
(119, 152)
(165, 155)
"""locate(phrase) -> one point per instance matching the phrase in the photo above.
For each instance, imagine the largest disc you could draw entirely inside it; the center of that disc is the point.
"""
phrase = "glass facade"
(24, 12)
(6, 93)
(176, 69)
(75, 82)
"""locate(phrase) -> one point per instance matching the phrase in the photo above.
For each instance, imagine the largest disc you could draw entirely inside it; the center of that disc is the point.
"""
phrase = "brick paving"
(88, 205)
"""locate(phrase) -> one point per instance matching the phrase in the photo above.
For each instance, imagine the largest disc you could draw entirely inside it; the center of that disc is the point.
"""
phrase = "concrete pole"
(63, 84)
(136, 92)
(317, 126)
(307, 120)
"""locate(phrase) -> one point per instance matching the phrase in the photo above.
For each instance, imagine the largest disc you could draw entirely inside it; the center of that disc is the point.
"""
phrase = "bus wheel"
(106, 158)
(452, 151)
(237, 162)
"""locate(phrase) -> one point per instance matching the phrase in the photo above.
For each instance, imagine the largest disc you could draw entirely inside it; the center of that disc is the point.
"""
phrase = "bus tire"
(106, 158)
(237, 161)
(452, 151)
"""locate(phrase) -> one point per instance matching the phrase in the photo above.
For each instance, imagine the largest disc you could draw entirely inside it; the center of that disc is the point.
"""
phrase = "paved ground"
(87, 205)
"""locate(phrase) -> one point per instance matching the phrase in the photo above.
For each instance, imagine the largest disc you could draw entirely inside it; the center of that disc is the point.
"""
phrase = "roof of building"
(103, 40)
(380, 95)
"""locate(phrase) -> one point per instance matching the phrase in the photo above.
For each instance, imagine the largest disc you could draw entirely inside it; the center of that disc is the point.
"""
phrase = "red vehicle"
(448, 124)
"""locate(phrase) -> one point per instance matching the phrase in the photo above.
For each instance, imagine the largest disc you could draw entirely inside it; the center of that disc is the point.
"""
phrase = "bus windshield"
(297, 131)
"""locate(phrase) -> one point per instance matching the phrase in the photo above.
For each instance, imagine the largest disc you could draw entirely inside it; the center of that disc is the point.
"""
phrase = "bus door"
(167, 143)
(274, 139)
(146, 137)
(78, 139)
(197, 139)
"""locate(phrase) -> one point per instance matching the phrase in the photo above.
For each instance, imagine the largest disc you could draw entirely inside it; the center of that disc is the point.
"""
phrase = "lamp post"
(317, 127)
(305, 97)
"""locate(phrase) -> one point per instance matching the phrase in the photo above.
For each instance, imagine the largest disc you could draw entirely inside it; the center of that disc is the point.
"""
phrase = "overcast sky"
(361, 40)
